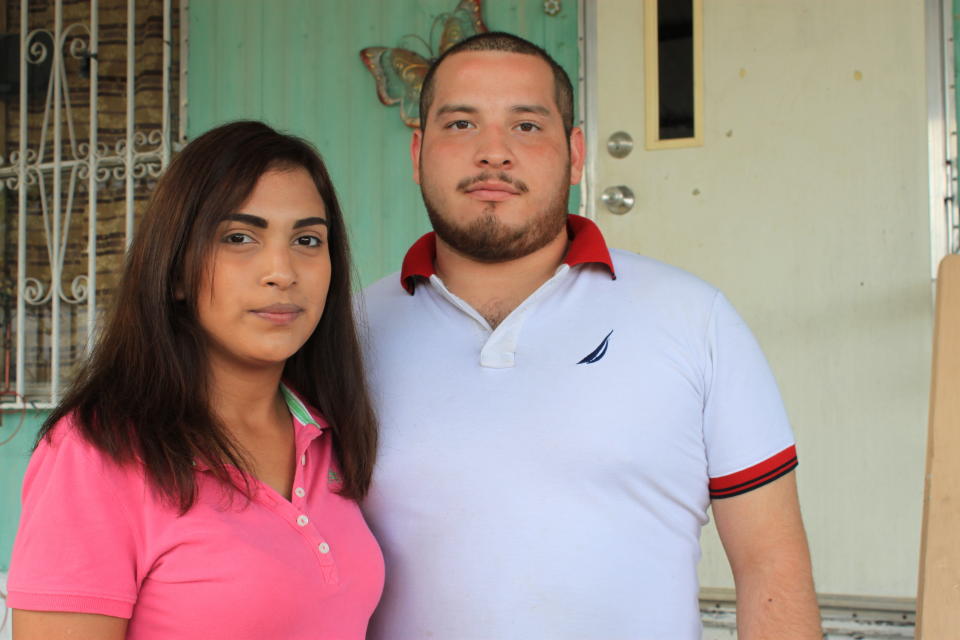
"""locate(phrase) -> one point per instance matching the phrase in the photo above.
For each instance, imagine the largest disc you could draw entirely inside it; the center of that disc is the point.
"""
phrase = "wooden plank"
(938, 598)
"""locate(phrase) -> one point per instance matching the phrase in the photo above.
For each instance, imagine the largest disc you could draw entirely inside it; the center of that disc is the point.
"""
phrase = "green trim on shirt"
(297, 409)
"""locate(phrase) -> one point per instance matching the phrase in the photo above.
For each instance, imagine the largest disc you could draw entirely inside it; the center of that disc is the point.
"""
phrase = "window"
(82, 142)
(673, 61)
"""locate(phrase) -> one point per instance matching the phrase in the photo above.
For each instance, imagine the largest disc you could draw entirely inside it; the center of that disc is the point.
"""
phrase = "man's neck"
(496, 289)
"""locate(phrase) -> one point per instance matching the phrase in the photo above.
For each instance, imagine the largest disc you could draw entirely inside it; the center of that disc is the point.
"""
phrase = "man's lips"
(278, 313)
(492, 191)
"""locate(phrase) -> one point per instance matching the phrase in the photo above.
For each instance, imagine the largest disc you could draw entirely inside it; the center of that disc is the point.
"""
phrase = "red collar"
(586, 246)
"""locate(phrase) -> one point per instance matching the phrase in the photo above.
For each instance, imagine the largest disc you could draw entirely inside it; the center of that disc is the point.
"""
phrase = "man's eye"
(459, 124)
(237, 238)
(528, 126)
(308, 241)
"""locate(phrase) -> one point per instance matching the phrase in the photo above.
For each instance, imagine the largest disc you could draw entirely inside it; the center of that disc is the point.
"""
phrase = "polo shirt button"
(299, 492)
(303, 520)
(323, 547)
(303, 460)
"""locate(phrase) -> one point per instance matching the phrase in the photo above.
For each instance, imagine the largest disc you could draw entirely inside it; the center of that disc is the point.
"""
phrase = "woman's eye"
(309, 241)
(237, 238)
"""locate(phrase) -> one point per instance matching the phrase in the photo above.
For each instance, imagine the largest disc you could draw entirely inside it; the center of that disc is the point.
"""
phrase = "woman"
(180, 490)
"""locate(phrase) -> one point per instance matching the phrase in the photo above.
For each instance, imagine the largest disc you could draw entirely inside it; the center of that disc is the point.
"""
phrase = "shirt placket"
(500, 347)
(296, 510)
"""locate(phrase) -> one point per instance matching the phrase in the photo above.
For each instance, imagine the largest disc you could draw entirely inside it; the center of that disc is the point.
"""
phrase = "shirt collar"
(298, 408)
(586, 246)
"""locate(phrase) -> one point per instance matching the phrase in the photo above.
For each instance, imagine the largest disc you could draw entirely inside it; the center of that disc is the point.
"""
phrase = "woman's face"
(267, 275)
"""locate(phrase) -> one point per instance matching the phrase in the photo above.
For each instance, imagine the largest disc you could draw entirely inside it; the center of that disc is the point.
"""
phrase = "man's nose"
(494, 150)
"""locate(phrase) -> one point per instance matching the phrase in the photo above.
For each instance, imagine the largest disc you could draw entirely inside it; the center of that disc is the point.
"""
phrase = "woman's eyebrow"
(306, 222)
(257, 221)
(254, 221)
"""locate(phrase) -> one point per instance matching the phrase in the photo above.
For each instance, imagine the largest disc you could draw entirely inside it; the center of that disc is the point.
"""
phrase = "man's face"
(493, 163)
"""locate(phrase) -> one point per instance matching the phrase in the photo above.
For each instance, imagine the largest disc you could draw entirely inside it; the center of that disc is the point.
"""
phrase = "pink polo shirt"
(95, 538)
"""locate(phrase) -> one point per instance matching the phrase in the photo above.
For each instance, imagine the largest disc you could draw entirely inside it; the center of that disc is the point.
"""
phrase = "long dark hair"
(143, 396)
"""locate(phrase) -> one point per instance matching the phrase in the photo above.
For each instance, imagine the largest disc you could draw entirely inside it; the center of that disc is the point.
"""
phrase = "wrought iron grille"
(89, 130)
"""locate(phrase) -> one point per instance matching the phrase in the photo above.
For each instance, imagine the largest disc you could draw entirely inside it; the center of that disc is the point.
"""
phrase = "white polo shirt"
(549, 478)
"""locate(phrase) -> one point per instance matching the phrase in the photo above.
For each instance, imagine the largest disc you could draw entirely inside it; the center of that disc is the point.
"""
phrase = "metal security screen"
(87, 132)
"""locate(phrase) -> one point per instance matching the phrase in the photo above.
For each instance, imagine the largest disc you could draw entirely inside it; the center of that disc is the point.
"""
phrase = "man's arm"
(763, 535)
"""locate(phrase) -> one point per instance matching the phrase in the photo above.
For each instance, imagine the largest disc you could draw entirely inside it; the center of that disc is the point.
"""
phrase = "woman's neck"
(247, 398)
(251, 408)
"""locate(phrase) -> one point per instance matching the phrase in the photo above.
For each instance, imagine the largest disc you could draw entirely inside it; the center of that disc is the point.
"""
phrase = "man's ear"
(415, 143)
(577, 155)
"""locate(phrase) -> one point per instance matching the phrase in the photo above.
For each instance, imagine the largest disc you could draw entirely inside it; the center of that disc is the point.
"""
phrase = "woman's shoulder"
(78, 543)
(66, 452)
(66, 438)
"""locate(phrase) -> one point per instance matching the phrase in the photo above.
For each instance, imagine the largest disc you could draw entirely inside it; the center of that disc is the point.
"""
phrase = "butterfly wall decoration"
(399, 71)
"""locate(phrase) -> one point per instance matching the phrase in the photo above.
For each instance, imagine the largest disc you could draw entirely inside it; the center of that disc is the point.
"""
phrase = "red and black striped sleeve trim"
(753, 477)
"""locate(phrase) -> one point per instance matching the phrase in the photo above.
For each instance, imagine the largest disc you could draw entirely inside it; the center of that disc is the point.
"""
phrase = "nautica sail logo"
(599, 352)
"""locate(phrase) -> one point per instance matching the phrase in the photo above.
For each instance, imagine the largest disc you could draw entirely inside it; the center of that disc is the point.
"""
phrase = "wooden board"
(938, 597)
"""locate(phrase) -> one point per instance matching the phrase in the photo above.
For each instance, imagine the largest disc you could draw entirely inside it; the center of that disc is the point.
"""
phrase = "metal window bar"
(135, 156)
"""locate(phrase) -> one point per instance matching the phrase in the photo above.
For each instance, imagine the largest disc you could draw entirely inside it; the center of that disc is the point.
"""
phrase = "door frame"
(587, 41)
(941, 129)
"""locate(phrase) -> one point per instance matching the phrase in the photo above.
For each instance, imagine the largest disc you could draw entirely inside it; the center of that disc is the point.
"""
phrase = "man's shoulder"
(642, 273)
(385, 287)
(382, 298)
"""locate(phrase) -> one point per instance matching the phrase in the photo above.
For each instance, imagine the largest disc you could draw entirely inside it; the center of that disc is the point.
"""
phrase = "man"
(557, 417)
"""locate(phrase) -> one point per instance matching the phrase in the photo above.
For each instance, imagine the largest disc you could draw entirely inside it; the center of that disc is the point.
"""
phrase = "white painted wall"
(808, 206)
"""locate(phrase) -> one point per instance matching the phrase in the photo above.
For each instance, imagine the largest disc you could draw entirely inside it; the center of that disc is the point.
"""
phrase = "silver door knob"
(618, 199)
(620, 144)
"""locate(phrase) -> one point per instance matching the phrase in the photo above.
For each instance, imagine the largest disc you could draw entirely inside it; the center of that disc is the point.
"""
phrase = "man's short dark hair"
(508, 43)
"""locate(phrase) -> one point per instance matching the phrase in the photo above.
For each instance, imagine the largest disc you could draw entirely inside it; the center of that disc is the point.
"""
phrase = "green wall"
(14, 456)
(296, 64)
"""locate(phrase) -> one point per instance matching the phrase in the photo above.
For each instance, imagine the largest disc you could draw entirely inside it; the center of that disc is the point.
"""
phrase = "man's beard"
(487, 238)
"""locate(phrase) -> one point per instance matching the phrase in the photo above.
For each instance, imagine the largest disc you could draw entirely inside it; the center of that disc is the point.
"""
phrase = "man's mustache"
(486, 176)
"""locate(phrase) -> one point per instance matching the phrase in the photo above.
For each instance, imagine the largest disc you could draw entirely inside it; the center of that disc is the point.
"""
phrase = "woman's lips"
(279, 313)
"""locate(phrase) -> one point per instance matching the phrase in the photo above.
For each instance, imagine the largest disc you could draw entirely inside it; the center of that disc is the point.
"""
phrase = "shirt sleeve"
(748, 438)
(75, 548)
